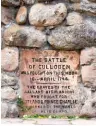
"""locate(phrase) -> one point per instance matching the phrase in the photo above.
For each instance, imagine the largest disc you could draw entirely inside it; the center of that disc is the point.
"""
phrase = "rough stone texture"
(9, 59)
(88, 63)
(93, 1)
(73, 37)
(2, 38)
(74, 32)
(74, 18)
(9, 110)
(89, 108)
(21, 15)
(75, 1)
(13, 111)
(7, 80)
(7, 93)
(24, 36)
(29, 2)
(88, 56)
(44, 0)
(10, 2)
(88, 6)
(7, 15)
(74, 7)
(4, 109)
(47, 15)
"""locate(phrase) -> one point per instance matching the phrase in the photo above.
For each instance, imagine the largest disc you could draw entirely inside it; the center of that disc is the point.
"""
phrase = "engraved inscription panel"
(49, 81)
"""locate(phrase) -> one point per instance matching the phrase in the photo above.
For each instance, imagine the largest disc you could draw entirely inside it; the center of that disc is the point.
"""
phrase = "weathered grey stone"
(74, 7)
(7, 15)
(85, 93)
(2, 38)
(4, 109)
(88, 63)
(7, 80)
(13, 111)
(9, 59)
(7, 93)
(44, 0)
(40, 28)
(74, 18)
(29, 2)
(47, 15)
(81, 94)
(21, 15)
(24, 36)
(73, 37)
(88, 56)
(15, 87)
(88, 6)
(89, 108)
(75, 1)
(91, 19)
(93, 1)
(10, 2)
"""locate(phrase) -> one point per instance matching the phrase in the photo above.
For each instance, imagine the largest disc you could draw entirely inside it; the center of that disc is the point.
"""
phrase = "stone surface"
(21, 15)
(7, 80)
(93, 1)
(73, 37)
(9, 59)
(89, 75)
(7, 93)
(10, 2)
(24, 36)
(11, 120)
(74, 18)
(4, 109)
(75, 1)
(45, 1)
(84, 122)
(29, 2)
(88, 63)
(48, 122)
(71, 34)
(74, 7)
(36, 67)
(88, 6)
(88, 56)
(7, 15)
(47, 15)
(89, 108)
(2, 38)
(34, 122)
(13, 111)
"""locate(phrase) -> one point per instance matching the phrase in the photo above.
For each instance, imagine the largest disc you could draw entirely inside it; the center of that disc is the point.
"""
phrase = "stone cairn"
(48, 24)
